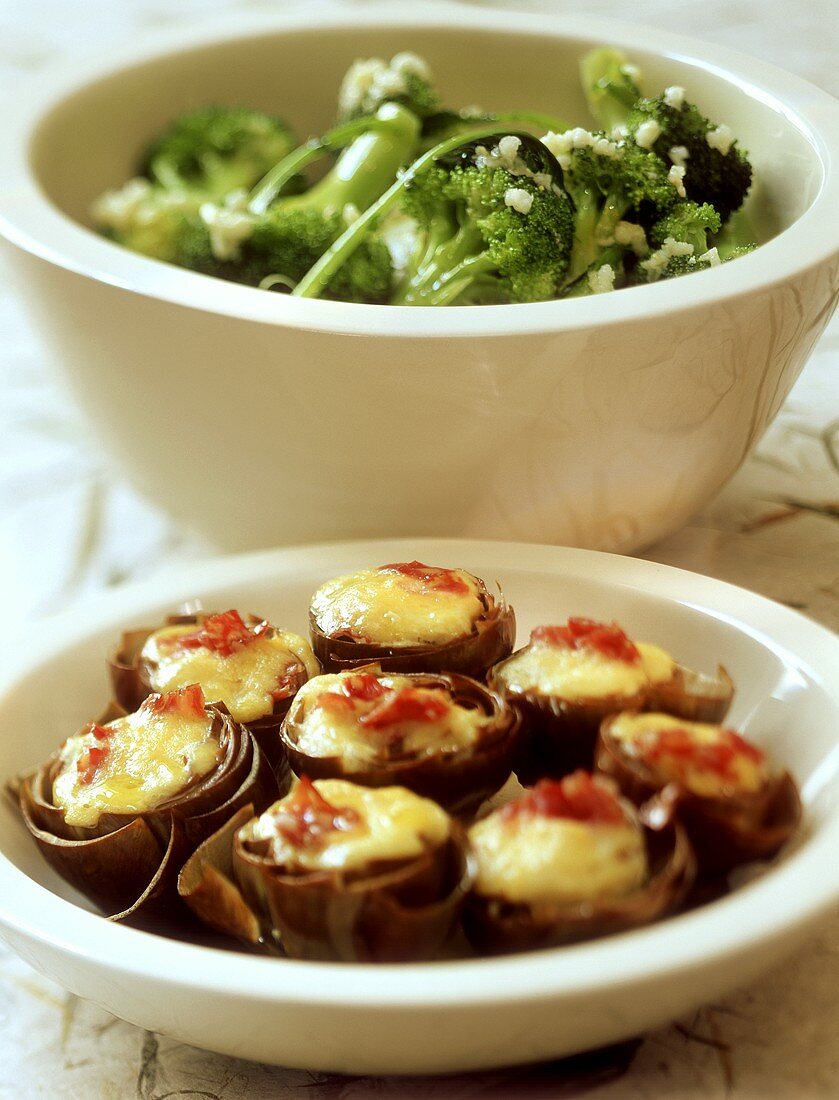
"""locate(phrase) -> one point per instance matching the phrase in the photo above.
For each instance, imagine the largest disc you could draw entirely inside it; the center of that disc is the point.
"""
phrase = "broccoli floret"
(462, 231)
(609, 181)
(217, 150)
(679, 257)
(687, 221)
(717, 171)
(165, 225)
(671, 259)
(405, 79)
(492, 228)
(611, 86)
(289, 237)
(287, 243)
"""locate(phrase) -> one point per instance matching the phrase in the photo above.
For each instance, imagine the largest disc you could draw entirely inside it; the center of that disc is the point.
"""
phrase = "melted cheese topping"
(322, 730)
(545, 859)
(393, 824)
(584, 673)
(243, 681)
(394, 609)
(148, 759)
(743, 772)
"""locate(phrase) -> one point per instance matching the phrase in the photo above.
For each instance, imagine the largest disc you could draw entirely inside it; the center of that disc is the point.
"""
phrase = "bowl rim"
(796, 894)
(29, 220)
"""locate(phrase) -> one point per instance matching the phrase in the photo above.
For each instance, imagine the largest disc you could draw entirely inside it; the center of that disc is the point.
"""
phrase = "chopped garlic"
(632, 236)
(678, 154)
(712, 257)
(350, 213)
(676, 176)
(633, 72)
(720, 139)
(230, 225)
(411, 64)
(602, 280)
(371, 81)
(674, 96)
(506, 155)
(118, 209)
(518, 199)
(658, 261)
(647, 134)
(562, 145)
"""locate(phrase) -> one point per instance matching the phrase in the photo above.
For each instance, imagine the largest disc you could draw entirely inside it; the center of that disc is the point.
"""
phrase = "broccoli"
(687, 221)
(217, 150)
(405, 79)
(426, 205)
(609, 182)
(492, 225)
(293, 232)
(611, 86)
(716, 171)
(602, 275)
(165, 225)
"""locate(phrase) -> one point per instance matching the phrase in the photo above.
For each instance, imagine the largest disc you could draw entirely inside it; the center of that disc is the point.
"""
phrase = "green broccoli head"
(493, 226)
(716, 170)
(165, 225)
(217, 150)
(687, 221)
(610, 181)
(405, 79)
(288, 242)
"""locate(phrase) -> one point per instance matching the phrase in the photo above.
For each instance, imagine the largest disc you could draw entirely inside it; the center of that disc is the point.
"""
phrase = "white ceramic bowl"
(261, 419)
(437, 1017)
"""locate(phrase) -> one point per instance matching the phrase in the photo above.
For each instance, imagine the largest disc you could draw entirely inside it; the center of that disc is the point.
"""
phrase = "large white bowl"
(263, 419)
(436, 1017)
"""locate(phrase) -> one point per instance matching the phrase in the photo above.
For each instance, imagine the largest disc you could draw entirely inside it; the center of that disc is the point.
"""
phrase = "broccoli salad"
(417, 204)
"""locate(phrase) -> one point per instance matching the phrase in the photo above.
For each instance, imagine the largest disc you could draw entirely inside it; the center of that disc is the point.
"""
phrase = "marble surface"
(67, 530)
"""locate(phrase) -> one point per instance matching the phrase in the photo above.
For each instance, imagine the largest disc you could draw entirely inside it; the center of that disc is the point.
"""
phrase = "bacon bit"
(682, 751)
(579, 633)
(579, 797)
(187, 701)
(435, 578)
(336, 703)
(362, 687)
(305, 817)
(89, 761)
(287, 683)
(224, 634)
(101, 733)
(405, 705)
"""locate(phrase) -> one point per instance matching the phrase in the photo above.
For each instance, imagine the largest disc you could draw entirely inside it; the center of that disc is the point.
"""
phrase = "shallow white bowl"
(263, 419)
(437, 1017)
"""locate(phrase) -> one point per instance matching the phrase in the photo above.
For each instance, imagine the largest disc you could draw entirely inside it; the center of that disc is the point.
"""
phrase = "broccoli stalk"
(217, 150)
(588, 283)
(610, 85)
(292, 233)
(505, 264)
(391, 120)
